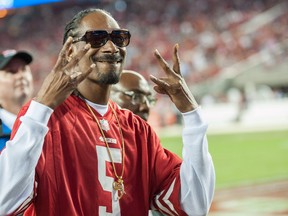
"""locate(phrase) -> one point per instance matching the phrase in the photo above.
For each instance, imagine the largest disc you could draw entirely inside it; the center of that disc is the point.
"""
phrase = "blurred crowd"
(212, 34)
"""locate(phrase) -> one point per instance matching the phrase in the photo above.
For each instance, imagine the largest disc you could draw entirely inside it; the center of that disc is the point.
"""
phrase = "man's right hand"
(64, 78)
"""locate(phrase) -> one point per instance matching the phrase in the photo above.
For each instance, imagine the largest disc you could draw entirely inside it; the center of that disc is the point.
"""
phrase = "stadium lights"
(10, 4)
(6, 4)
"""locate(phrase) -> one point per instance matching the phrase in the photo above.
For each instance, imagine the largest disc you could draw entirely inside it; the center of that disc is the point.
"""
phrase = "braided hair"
(72, 26)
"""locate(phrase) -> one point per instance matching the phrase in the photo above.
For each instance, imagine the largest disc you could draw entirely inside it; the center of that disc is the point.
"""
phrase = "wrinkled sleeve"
(185, 187)
(197, 174)
(19, 159)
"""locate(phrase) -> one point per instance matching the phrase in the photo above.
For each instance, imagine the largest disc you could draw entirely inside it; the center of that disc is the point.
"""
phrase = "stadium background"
(234, 58)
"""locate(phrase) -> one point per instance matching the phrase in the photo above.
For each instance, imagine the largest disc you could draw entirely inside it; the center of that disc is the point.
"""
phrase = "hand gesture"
(64, 77)
(174, 84)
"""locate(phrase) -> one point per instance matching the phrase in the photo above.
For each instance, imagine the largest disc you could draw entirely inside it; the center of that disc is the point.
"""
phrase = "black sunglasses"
(98, 38)
(139, 97)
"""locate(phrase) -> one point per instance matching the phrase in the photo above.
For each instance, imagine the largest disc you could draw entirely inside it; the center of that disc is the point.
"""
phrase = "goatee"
(109, 79)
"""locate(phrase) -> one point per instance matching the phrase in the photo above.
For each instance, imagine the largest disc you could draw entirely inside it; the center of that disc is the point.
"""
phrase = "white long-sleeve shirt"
(7, 118)
(19, 159)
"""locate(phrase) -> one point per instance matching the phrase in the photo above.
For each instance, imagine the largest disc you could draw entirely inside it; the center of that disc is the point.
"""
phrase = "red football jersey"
(74, 174)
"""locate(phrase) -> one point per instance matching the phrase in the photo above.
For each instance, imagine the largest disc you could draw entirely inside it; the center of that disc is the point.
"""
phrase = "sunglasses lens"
(97, 38)
(120, 38)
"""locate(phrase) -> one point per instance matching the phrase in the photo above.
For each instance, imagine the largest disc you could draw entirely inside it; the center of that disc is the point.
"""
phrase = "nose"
(144, 105)
(110, 47)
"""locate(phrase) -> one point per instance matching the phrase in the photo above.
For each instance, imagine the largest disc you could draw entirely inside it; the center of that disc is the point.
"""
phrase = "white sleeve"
(197, 172)
(19, 159)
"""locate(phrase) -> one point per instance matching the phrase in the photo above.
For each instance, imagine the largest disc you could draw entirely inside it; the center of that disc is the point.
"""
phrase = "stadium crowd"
(212, 34)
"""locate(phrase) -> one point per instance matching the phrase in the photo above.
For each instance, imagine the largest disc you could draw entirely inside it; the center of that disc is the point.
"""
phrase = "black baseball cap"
(7, 55)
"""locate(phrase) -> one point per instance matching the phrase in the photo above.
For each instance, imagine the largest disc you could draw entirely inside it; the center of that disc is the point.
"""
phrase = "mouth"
(111, 59)
(110, 62)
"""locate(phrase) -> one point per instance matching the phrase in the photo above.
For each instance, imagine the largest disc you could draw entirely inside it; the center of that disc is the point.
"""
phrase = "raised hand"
(64, 77)
(174, 84)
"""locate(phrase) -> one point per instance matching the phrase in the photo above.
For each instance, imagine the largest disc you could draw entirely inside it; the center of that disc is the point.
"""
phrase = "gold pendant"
(119, 187)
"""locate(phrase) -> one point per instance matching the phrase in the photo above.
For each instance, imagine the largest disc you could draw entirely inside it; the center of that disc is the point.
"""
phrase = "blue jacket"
(5, 133)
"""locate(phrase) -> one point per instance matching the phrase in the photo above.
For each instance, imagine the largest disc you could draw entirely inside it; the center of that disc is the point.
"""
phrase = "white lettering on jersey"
(107, 181)
(108, 140)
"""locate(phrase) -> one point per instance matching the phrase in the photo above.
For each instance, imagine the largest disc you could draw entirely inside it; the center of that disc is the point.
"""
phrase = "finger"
(83, 76)
(62, 61)
(72, 69)
(176, 60)
(77, 77)
(162, 62)
(160, 90)
(159, 82)
(75, 74)
(75, 59)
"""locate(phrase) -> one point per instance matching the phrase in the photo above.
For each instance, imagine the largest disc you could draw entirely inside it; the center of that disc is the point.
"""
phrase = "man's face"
(133, 93)
(109, 58)
(16, 82)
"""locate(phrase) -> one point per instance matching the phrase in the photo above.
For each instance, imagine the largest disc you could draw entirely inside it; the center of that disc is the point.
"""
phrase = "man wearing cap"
(16, 87)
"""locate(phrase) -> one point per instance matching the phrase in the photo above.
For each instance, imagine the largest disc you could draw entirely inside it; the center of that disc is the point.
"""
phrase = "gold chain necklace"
(118, 184)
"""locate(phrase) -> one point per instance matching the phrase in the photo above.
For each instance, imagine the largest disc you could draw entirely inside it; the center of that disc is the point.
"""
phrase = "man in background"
(134, 93)
(16, 87)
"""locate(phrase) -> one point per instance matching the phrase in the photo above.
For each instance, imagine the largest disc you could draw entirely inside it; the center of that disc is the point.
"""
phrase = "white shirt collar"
(101, 109)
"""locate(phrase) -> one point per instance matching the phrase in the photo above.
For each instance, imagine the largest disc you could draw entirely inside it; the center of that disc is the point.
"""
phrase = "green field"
(244, 158)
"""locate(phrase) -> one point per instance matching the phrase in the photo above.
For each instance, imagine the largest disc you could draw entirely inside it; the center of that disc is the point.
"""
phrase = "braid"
(72, 26)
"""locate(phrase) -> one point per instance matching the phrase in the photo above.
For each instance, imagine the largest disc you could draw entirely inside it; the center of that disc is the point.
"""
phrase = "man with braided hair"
(75, 152)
